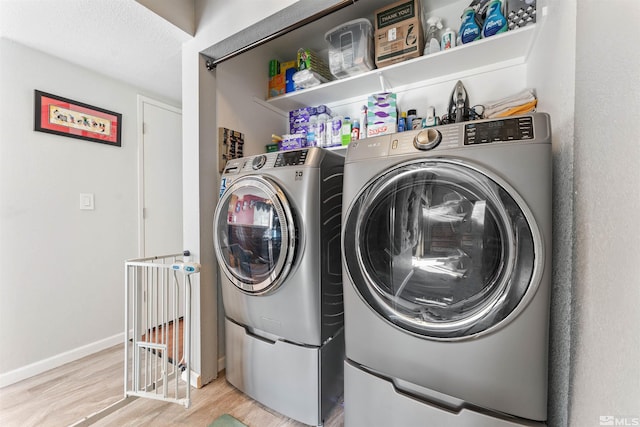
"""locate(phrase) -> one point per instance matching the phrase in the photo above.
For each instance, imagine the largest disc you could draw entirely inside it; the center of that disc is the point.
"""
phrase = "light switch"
(86, 201)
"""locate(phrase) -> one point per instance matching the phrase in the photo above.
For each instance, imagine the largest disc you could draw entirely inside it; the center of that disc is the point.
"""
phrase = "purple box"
(293, 141)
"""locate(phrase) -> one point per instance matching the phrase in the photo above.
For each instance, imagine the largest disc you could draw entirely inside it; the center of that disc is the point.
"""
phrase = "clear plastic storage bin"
(350, 48)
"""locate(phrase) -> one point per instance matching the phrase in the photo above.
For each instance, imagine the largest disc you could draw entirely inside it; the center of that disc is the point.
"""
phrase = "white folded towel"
(497, 108)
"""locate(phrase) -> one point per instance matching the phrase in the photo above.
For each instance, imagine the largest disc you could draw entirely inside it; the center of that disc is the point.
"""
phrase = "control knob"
(427, 139)
(258, 162)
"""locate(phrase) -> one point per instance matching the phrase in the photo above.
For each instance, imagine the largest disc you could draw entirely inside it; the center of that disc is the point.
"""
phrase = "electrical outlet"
(86, 202)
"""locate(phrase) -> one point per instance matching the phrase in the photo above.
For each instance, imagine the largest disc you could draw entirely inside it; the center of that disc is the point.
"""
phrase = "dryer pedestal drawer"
(286, 377)
(398, 409)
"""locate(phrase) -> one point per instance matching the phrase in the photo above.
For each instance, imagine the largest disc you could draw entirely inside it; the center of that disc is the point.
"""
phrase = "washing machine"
(277, 241)
(447, 271)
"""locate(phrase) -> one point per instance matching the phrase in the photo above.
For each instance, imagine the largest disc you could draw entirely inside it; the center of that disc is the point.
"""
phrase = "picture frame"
(62, 116)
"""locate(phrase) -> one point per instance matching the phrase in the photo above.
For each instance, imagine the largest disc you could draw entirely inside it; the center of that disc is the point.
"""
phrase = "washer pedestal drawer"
(300, 382)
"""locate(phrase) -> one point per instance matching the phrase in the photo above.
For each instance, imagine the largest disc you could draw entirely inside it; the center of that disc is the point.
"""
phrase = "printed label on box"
(391, 34)
(396, 14)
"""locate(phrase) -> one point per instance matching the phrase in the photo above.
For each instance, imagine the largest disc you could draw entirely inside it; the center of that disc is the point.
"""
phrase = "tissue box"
(382, 114)
(299, 119)
(293, 141)
(398, 35)
(382, 108)
(381, 129)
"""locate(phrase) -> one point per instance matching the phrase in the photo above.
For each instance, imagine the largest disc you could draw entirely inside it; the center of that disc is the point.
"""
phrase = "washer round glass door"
(254, 234)
(440, 249)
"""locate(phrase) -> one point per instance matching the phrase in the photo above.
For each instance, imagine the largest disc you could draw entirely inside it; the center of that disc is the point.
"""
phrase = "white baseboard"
(41, 366)
(195, 379)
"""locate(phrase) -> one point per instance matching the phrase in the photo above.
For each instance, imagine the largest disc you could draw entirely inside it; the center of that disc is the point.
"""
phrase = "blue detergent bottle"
(469, 29)
(495, 22)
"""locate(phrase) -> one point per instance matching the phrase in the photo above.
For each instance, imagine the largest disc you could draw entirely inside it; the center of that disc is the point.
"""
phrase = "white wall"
(62, 268)
(605, 379)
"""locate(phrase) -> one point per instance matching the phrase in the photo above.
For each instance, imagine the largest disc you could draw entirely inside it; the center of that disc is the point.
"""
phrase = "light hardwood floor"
(66, 395)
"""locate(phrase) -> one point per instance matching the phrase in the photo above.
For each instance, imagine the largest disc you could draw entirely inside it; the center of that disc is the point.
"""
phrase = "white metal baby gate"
(158, 327)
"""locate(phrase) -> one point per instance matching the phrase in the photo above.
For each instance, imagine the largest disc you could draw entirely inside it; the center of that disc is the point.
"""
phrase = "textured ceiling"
(118, 38)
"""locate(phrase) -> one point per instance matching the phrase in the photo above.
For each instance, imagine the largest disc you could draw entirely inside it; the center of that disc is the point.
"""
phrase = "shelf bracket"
(384, 87)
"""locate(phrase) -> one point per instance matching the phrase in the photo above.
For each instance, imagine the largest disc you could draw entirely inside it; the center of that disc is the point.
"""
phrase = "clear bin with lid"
(350, 48)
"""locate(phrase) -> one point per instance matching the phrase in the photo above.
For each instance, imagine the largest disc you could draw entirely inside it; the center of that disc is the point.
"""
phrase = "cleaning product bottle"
(346, 131)
(495, 22)
(355, 130)
(411, 114)
(323, 134)
(431, 119)
(311, 132)
(448, 39)
(402, 122)
(336, 131)
(469, 29)
(432, 44)
(364, 124)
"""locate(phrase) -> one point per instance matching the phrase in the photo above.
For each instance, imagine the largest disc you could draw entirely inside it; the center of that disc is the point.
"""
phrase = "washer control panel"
(498, 130)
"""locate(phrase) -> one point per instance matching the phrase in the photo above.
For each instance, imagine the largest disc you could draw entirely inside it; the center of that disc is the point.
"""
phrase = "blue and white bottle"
(469, 29)
(495, 22)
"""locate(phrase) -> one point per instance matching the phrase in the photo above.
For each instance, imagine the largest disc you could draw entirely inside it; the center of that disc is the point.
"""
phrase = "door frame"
(141, 100)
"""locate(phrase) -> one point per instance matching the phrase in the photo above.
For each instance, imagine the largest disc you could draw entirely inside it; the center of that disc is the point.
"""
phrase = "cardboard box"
(287, 69)
(278, 83)
(398, 33)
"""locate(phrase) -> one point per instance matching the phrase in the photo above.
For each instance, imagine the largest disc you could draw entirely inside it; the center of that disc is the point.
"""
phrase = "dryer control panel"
(291, 158)
(498, 130)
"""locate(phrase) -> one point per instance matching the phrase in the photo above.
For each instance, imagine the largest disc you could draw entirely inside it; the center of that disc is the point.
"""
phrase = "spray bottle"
(432, 44)
(469, 29)
(364, 124)
(495, 21)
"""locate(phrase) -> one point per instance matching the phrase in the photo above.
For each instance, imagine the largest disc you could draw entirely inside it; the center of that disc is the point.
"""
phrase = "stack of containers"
(281, 77)
(308, 127)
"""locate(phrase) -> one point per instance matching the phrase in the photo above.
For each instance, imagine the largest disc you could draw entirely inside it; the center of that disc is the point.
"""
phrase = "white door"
(161, 178)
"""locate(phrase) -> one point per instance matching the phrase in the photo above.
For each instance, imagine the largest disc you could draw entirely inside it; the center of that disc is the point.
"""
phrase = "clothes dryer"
(447, 271)
(277, 242)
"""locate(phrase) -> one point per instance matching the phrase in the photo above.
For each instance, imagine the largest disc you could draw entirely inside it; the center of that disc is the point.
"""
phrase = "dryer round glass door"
(441, 249)
(254, 234)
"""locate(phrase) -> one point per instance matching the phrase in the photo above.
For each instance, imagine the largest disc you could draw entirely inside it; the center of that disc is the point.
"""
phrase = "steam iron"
(459, 104)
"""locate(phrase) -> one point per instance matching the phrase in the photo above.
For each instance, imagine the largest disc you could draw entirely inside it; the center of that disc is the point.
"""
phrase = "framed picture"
(62, 116)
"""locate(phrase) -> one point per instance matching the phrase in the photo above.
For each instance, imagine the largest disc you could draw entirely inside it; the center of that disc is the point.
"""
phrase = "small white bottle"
(346, 131)
(321, 129)
(448, 39)
(336, 131)
(312, 140)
